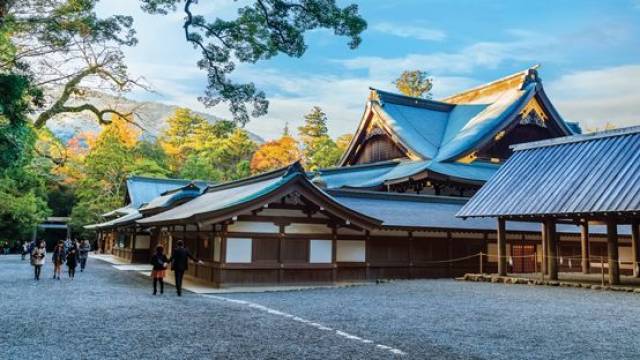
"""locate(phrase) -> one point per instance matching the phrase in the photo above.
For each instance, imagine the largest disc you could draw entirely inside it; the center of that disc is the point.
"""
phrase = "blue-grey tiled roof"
(141, 190)
(433, 212)
(168, 198)
(452, 128)
(375, 175)
(582, 174)
(241, 195)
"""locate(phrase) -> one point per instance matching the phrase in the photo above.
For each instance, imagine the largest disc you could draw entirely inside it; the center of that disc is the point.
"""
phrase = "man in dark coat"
(180, 263)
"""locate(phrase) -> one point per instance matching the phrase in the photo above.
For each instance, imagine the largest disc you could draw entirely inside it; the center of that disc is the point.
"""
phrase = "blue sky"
(589, 52)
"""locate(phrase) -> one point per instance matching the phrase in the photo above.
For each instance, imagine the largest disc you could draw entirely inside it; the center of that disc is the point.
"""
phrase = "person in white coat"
(37, 258)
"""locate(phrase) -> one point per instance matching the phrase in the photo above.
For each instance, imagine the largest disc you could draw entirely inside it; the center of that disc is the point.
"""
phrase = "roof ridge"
(578, 138)
(396, 196)
(360, 166)
(412, 100)
(292, 168)
(529, 70)
(131, 177)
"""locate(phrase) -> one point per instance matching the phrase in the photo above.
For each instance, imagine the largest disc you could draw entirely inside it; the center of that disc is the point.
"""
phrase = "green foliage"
(325, 154)
(318, 149)
(109, 162)
(415, 83)
(261, 31)
(22, 181)
(201, 150)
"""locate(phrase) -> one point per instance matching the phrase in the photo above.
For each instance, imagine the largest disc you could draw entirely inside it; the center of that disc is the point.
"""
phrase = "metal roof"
(169, 198)
(377, 174)
(238, 196)
(141, 190)
(434, 212)
(446, 130)
(122, 220)
(592, 174)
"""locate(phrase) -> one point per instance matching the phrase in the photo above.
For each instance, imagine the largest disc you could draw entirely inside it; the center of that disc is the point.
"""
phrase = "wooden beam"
(635, 248)
(612, 252)
(545, 249)
(552, 240)
(584, 246)
(502, 247)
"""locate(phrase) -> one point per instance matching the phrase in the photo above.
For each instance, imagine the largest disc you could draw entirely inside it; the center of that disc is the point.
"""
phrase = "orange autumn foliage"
(275, 154)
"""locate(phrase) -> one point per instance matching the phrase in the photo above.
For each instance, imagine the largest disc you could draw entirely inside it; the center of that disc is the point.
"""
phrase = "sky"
(589, 52)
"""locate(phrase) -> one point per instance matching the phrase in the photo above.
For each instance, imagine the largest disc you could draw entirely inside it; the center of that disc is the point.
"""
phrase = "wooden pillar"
(280, 251)
(450, 254)
(612, 252)
(635, 248)
(584, 246)
(334, 249)
(502, 247)
(133, 240)
(545, 249)
(411, 258)
(552, 249)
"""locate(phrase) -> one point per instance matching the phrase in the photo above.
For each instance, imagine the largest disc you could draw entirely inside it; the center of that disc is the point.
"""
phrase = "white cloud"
(419, 32)
(525, 47)
(595, 97)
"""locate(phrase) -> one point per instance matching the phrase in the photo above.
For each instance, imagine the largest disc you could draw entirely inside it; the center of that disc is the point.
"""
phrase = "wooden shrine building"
(387, 211)
(582, 179)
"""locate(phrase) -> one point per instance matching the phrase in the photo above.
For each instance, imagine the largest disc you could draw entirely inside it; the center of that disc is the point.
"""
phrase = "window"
(239, 250)
(350, 251)
(320, 251)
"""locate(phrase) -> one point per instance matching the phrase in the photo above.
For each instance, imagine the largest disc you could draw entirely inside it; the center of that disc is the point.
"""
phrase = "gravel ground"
(106, 313)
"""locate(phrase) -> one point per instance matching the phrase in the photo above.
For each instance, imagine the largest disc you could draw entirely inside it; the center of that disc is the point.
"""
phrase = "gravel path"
(106, 313)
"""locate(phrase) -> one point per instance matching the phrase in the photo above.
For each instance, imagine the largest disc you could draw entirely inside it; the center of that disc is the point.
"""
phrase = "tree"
(201, 150)
(415, 83)
(317, 147)
(343, 141)
(181, 135)
(67, 49)
(275, 154)
(22, 179)
(112, 157)
(261, 31)
(315, 127)
(325, 154)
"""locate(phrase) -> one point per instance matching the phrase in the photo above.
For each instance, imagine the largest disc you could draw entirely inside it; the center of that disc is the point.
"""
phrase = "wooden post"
(334, 249)
(602, 269)
(545, 251)
(635, 248)
(481, 264)
(502, 248)
(584, 246)
(410, 246)
(135, 238)
(612, 252)
(280, 251)
(552, 249)
(450, 253)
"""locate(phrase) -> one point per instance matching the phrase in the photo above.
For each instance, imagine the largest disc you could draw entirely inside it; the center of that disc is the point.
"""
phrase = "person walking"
(180, 263)
(25, 249)
(159, 261)
(72, 263)
(83, 254)
(58, 259)
(37, 258)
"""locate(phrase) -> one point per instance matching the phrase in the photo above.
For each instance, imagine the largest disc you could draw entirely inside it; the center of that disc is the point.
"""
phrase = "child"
(58, 258)
(159, 261)
(72, 262)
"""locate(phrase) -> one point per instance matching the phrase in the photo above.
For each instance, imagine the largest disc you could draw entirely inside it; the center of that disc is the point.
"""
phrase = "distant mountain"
(151, 116)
